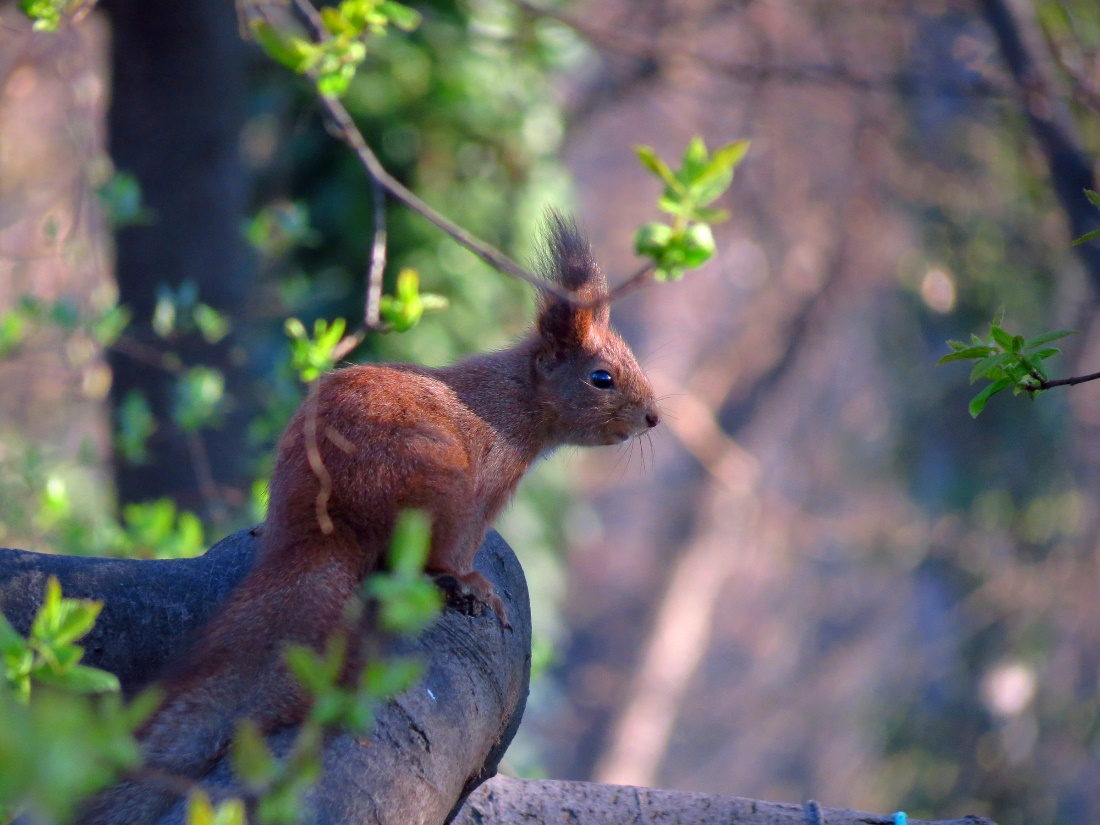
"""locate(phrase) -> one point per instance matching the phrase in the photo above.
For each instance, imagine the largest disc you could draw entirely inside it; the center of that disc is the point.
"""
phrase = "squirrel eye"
(601, 380)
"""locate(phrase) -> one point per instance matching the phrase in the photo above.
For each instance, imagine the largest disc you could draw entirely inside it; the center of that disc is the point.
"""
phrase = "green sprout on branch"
(404, 309)
(687, 242)
(340, 49)
(1006, 360)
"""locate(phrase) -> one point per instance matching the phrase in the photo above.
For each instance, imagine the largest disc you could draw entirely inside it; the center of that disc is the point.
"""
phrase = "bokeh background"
(821, 578)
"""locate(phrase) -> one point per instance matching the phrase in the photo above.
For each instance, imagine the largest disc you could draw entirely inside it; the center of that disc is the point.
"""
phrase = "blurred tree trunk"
(1052, 126)
(178, 102)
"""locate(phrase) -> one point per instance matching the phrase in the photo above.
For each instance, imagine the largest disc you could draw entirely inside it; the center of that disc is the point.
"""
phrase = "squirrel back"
(368, 443)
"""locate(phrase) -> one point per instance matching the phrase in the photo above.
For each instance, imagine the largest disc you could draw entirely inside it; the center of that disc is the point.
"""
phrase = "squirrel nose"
(653, 418)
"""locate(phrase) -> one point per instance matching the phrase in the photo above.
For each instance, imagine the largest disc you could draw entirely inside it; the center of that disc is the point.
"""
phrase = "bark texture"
(533, 802)
(430, 747)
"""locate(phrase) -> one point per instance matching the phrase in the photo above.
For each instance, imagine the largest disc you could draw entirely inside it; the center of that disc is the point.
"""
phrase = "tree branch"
(1046, 384)
(547, 802)
(1070, 167)
(430, 747)
(835, 75)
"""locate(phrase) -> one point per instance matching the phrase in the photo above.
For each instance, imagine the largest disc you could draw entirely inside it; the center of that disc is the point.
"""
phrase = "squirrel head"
(583, 370)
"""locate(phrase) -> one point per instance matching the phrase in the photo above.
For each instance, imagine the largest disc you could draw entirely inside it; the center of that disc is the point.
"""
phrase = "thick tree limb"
(430, 747)
(502, 801)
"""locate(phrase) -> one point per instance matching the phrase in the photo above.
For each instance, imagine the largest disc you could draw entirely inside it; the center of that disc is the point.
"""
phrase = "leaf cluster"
(312, 356)
(33, 314)
(56, 744)
(687, 242)
(50, 655)
(1005, 360)
(121, 198)
(334, 59)
(404, 309)
(47, 14)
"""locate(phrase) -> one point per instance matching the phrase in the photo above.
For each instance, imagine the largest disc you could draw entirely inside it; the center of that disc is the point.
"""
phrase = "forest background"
(826, 580)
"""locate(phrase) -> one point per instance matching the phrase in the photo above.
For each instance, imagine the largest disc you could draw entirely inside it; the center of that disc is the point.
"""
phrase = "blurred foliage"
(56, 745)
(50, 655)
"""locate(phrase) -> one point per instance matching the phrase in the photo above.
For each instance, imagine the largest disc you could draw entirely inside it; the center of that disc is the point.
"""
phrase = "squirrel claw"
(471, 593)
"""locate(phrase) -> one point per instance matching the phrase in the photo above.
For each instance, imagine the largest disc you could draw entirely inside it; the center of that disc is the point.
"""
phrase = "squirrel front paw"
(469, 591)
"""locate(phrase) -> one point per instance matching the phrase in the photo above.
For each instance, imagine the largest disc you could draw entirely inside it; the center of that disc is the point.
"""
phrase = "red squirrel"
(453, 442)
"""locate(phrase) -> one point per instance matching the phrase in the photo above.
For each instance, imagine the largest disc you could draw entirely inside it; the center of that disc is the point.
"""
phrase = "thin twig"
(382, 180)
(377, 257)
(208, 488)
(1046, 384)
(810, 74)
(145, 354)
(639, 280)
(1082, 88)
(354, 138)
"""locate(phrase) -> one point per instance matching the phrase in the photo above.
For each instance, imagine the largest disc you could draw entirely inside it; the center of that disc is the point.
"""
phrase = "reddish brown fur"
(454, 442)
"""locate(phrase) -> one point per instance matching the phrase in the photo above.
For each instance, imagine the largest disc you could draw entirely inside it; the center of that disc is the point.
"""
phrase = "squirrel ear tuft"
(566, 260)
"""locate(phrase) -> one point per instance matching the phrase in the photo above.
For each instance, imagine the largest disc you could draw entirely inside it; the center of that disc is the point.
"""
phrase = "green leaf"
(1091, 236)
(1047, 337)
(405, 606)
(199, 809)
(11, 643)
(13, 329)
(693, 162)
(121, 198)
(965, 353)
(987, 366)
(728, 156)
(384, 680)
(76, 618)
(658, 167)
(1003, 338)
(1045, 353)
(306, 667)
(230, 812)
(109, 326)
(411, 541)
(279, 227)
(698, 245)
(651, 239)
(48, 614)
(978, 402)
(403, 310)
(46, 14)
(711, 216)
(400, 15)
(136, 424)
(252, 760)
(82, 679)
(212, 324)
(200, 393)
(296, 54)
(1094, 197)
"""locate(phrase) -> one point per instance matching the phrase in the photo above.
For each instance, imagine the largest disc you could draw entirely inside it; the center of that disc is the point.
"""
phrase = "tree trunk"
(178, 103)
